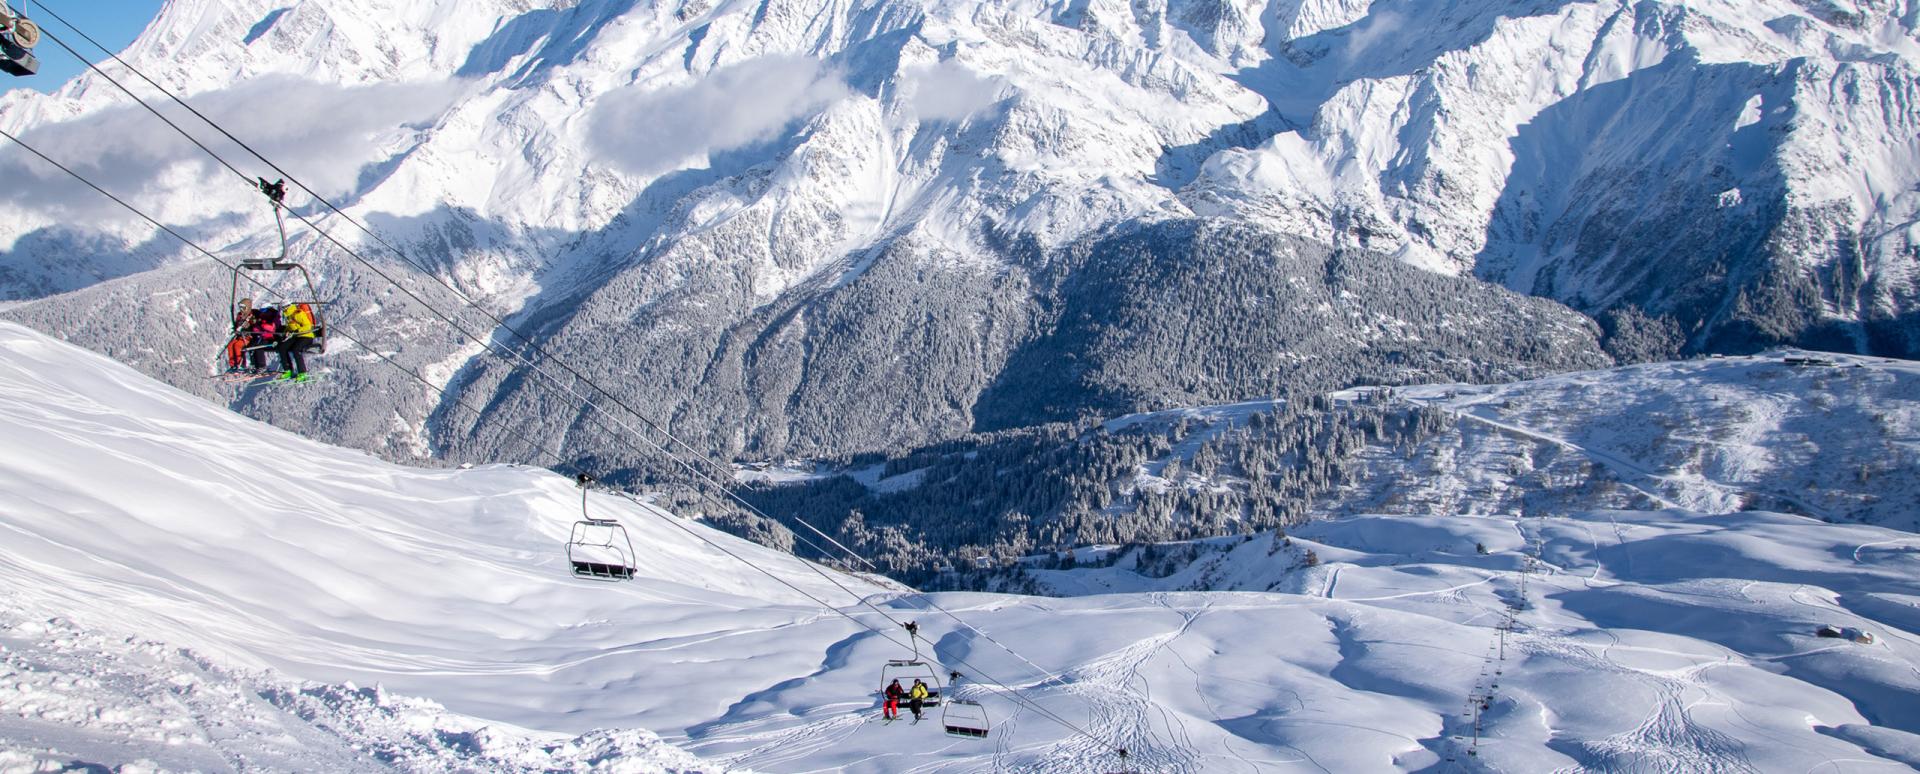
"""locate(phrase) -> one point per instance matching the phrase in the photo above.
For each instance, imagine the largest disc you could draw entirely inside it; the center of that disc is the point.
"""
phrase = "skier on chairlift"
(276, 191)
(916, 697)
(894, 693)
(265, 333)
(298, 321)
(243, 323)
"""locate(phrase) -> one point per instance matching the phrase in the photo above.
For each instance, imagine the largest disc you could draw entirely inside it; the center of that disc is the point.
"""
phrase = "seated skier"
(297, 335)
(916, 697)
(242, 336)
(893, 693)
(265, 333)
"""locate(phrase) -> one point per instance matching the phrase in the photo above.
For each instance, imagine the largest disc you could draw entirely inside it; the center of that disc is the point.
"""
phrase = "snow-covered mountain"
(342, 613)
(810, 227)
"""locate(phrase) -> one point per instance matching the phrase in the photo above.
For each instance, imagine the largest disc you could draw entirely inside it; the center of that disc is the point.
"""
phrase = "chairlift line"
(527, 361)
(1012, 695)
(503, 324)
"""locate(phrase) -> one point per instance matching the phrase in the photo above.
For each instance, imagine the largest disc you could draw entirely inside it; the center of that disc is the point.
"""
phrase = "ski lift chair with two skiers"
(599, 549)
(18, 36)
(910, 669)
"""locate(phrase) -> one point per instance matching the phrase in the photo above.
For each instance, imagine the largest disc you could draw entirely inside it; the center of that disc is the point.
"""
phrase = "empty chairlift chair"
(599, 549)
(964, 718)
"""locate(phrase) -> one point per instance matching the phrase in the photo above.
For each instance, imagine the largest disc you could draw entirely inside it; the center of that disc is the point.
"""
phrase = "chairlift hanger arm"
(18, 36)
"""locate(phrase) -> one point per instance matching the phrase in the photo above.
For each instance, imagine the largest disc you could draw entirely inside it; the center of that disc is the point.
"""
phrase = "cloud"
(1379, 27)
(648, 131)
(946, 91)
(322, 134)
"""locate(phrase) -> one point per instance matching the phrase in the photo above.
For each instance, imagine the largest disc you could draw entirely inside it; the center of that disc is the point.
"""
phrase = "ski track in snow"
(1122, 704)
(1199, 690)
(1614, 461)
(1877, 543)
(1669, 739)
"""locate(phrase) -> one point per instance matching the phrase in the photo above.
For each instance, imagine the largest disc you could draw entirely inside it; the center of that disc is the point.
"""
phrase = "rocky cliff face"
(804, 226)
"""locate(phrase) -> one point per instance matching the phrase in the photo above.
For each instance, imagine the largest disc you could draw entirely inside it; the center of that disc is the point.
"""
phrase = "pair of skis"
(264, 377)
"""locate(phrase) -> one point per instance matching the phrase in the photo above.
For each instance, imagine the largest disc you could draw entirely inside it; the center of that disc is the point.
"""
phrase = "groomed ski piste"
(187, 589)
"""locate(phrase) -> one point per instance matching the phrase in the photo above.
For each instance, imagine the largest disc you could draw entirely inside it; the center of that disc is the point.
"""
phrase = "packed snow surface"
(188, 589)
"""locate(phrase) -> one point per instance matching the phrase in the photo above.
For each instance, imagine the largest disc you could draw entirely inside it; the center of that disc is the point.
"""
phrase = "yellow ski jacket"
(299, 323)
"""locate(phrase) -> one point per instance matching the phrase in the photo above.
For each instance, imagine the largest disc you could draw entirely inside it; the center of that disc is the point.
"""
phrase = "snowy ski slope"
(1828, 435)
(1838, 439)
(146, 521)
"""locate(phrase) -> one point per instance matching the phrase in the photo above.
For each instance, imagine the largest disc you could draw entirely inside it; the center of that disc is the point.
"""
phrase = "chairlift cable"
(537, 348)
(676, 440)
(484, 341)
(586, 402)
(557, 457)
(993, 684)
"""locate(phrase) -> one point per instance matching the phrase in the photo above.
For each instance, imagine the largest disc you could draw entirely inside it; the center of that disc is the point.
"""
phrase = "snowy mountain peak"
(715, 192)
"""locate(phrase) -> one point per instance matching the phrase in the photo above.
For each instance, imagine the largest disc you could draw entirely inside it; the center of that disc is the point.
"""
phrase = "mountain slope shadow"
(1611, 204)
(555, 38)
(1199, 312)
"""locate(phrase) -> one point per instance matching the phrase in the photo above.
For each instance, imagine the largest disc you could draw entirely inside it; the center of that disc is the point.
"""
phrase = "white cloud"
(322, 134)
(947, 91)
(648, 131)
(1378, 28)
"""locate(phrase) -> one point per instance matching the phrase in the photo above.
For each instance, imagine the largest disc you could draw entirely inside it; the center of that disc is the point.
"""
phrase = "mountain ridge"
(680, 184)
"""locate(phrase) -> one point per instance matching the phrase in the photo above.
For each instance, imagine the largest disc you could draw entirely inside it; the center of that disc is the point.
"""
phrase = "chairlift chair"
(275, 193)
(912, 669)
(907, 670)
(599, 549)
(964, 718)
(18, 36)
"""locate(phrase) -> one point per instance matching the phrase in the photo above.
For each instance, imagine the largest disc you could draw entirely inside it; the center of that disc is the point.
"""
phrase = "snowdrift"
(140, 521)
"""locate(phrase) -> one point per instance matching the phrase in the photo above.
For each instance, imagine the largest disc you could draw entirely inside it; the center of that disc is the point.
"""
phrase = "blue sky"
(114, 23)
